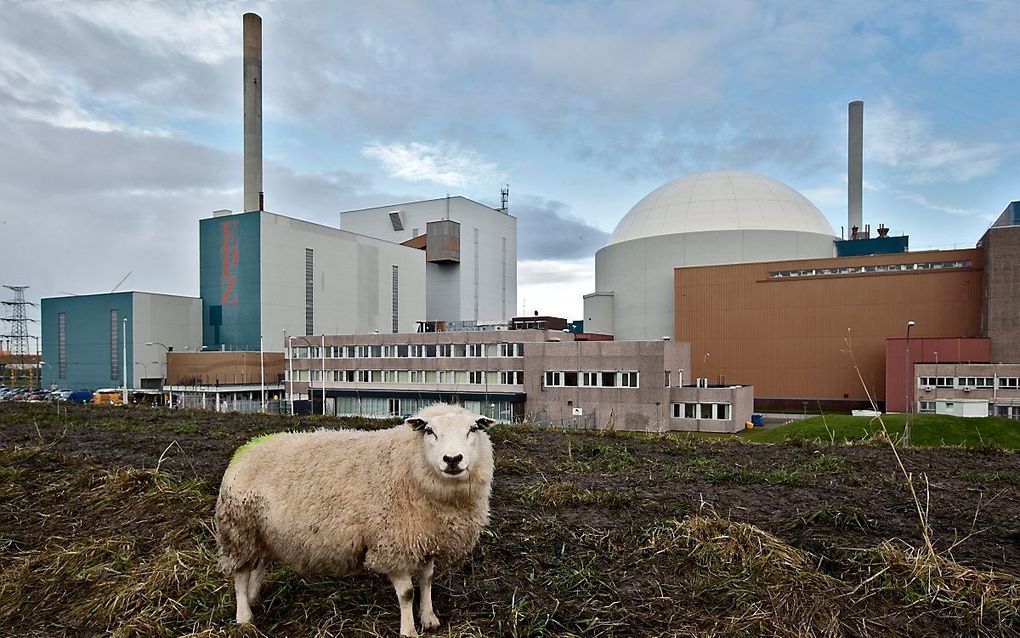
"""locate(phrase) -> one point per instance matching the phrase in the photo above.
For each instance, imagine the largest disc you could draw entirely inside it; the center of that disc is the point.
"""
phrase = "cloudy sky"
(120, 122)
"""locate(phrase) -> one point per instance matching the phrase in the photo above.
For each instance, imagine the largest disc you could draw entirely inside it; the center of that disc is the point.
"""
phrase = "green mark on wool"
(250, 444)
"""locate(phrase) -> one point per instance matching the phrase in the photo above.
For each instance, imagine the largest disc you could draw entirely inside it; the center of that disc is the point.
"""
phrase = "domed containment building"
(710, 218)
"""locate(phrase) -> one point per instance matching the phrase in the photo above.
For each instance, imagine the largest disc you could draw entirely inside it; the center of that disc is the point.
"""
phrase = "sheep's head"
(454, 440)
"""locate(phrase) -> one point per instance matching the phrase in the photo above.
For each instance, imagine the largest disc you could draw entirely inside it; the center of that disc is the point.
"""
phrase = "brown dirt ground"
(826, 501)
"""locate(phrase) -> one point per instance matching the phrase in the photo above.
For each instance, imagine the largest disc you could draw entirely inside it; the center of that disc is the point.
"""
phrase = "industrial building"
(98, 341)
(262, 274)
(716, 217)
(545, 376)
(752, 275)
(470, 253)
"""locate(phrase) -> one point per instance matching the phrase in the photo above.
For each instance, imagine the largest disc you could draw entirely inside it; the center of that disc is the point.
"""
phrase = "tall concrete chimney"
(252, 112)
(855, 168)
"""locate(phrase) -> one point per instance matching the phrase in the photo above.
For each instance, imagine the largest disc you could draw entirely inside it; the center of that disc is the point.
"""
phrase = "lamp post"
(166, 351)
(909, 382)
(290, 370)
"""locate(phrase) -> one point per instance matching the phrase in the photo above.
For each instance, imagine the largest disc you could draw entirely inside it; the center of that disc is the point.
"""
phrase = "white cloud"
(554, 287)
(903, 138)
(444, 163)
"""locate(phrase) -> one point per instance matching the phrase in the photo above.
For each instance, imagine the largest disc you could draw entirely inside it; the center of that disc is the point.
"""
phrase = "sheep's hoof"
(410, 633)
(429, 622)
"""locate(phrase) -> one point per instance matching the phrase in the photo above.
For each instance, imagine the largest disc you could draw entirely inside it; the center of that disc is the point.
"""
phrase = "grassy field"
(926, 430)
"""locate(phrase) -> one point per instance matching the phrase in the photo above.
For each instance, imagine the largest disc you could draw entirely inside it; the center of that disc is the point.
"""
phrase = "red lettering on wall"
(230, 253)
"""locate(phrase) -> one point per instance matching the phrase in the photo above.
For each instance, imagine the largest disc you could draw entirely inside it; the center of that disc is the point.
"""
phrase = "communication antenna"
(504, 196)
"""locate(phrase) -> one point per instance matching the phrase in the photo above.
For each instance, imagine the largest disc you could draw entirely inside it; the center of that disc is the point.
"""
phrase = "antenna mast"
(504, 196)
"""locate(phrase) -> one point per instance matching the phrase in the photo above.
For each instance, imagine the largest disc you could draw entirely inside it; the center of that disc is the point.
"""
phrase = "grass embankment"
(925, 430)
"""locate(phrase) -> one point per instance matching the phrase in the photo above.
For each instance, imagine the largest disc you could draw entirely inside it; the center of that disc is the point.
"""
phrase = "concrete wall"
(631, 408)
(483, 285)
(1001, 312)
(230, 281)
(171, 320)
(640, 272)
(93, 353)
(94, 357)
(223, 368)
(900, 375)
(790, 336)
(998, 395)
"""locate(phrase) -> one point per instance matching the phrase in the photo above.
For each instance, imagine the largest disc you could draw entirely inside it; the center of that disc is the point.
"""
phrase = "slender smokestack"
(855, 167)
(252, 112)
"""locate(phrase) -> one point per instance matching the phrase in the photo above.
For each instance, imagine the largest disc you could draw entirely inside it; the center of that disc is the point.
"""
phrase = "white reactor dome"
(720, 201)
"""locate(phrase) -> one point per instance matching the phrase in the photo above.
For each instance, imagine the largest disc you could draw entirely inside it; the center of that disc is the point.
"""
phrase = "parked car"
(80, 396)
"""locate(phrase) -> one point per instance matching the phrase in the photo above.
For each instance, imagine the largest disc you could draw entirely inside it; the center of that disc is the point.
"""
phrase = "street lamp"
(909, 382)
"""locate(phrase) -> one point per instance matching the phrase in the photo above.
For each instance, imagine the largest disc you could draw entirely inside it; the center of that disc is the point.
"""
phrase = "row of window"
(415, 350)
(719, 411)
(968, 382)
(877, 268)
(452, 377)
(607, 379)
(1008, 411)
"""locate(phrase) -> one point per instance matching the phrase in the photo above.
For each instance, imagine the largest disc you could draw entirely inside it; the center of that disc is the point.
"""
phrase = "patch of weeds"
(515, 466)
(827, 465)
(569, 493)
(746, 475)
(186, 427)
(984, 477)
(219, 433)
(591, 456)
(837, 518)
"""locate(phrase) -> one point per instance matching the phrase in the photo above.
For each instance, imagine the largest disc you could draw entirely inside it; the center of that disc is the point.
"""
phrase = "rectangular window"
(511, 377)
(608, 379)
(459, 350)
(553, 379)
(511, 349)
(926, 407)
(678, 410)
(62, 345)
(476, 350)
(477, 377)
(690, 410)
(309, 291)
(629, 379)
(570, 379)
(1010, 383)
(444, 350)
(589, 379)
(665, 376)
(396, 306)
(114, 345)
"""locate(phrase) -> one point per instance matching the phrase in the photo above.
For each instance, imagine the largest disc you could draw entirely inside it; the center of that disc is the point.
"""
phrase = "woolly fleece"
(339, 501)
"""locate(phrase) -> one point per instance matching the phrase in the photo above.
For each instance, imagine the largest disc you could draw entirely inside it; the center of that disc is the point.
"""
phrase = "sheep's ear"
(416, 424)
(484, 422)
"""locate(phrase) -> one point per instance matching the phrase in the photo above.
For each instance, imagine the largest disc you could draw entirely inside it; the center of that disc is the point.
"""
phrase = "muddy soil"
(821, 499)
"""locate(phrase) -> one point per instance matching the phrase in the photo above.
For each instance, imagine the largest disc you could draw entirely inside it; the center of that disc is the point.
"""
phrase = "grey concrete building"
(542, 376)
(470, 253)
(1001, 312)
(968, 389)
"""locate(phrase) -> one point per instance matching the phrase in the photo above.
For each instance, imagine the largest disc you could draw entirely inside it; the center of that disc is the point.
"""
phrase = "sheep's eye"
(429, 431)
(473, 428)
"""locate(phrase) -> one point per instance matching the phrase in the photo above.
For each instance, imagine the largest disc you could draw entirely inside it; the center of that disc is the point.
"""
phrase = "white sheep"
(337, 502)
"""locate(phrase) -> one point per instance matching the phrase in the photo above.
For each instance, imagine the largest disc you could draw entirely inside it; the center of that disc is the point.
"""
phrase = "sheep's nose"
(453, 460)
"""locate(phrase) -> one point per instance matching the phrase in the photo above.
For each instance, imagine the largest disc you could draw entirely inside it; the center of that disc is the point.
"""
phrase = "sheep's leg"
(255, 577)
(428, 615)
(241, 591)
(405, 596)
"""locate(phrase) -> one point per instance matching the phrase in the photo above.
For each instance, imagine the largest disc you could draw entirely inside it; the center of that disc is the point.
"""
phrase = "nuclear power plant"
(717, 294)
